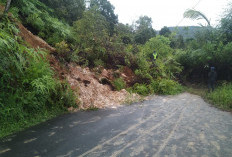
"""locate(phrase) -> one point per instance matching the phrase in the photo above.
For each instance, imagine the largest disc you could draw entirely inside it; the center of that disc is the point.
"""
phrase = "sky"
(168, 12)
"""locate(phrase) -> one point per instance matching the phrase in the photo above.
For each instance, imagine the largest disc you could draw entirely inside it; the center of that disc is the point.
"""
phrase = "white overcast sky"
(168, 12)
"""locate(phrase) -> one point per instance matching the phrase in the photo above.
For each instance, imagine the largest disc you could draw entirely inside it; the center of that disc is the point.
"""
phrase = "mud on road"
(173, 126)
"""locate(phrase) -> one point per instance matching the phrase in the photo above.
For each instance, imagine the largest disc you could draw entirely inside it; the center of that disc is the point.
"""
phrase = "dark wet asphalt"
(172, 126)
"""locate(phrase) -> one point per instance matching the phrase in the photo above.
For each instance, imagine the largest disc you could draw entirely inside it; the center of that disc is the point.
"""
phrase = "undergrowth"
(221, 97)
(119, 84)
(29, 92)
(37, 17)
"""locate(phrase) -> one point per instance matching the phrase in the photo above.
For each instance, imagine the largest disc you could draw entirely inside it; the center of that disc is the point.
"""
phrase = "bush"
(166, 87)
(222, 96)
(165, 66)
(141, 89)
(119, 84)
(63, 51)
(99, 62)
(29, 91)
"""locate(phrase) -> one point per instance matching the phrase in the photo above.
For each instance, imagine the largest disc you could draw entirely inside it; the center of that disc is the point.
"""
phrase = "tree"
(69, 10)
(7, 6)
(195, 15)
(125, 32)
(177, 42)
(226, 25)
(91, 30)
(165, 31)
(107, 10)
(144, 30)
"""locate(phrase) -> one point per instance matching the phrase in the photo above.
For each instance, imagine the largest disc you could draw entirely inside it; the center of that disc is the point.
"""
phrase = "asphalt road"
(172, 126)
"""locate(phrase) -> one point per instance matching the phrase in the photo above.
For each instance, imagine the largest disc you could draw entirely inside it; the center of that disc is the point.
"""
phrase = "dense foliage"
(211, 47)
(39, 19)
(67, 10)
(107, 10)
(27, 84)
(144, 30)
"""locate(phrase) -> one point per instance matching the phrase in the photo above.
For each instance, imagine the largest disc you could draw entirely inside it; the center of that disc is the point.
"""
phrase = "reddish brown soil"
(129, 76)
(32, 40)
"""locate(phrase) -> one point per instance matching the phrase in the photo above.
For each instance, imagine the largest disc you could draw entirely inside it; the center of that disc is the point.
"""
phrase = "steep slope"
(32, 40)
(85, 84)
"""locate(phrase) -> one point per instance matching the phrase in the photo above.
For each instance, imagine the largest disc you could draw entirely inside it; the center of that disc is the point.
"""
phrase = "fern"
(27, 84)
(44, 84)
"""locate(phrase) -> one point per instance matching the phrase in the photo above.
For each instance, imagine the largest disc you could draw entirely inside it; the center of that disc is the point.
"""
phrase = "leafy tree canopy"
(144, 30)
(165, 31)
(92, 34)
(107, 10)
(125, 32)
(226, 25)
(70, 10)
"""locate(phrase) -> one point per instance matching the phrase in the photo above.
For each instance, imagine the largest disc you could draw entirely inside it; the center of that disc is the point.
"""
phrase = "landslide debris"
(92, 92)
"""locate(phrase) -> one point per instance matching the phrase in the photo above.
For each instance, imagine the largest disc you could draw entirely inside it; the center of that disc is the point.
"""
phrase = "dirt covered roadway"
(172, 126)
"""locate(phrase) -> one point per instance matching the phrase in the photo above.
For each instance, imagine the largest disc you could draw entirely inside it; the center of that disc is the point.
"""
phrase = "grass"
(14, 127)
(197, 89)
(220, 98)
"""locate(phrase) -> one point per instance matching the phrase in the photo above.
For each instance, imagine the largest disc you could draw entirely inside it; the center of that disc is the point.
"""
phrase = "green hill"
(186, 31)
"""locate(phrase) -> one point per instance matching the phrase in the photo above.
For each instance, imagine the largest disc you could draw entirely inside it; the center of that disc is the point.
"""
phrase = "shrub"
(36, 22)
(166, 87)
(99, 62)
(119, 84)
(63, 51)
(221, 97)
(141, 89)
(165, 66)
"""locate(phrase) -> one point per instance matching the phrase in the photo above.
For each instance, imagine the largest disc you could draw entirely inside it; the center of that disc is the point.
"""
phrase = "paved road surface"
(172, 126)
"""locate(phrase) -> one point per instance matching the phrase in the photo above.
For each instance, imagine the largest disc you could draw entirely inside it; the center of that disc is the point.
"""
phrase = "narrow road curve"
(172, 126)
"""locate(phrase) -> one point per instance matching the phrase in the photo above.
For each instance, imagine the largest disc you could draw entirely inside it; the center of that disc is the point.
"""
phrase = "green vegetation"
(119, 84)
(68, 11)
(141, 89)
(221, 97)
(92, 37)
(29, 91)
(40, 20)
(210, 47)
(166, 87)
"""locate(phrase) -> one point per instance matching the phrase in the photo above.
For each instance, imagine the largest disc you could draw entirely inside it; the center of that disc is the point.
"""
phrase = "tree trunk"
(7, 6)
